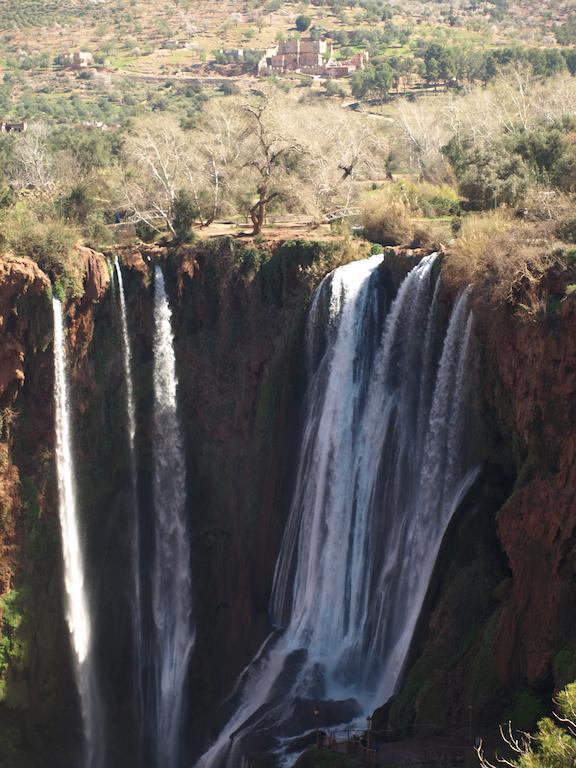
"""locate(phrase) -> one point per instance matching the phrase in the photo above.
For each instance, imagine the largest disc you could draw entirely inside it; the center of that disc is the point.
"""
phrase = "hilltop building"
(309, 57)
(79, 59)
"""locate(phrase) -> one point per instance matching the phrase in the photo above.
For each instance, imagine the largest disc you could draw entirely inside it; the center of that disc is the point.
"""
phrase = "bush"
(566, 230)
(494, 178)
(504, 257)
(229, 88)
(77, 204)
(430, 199)
(527, 708)
(50, 243)
(303, 23)
(11, 645)
(386, 220)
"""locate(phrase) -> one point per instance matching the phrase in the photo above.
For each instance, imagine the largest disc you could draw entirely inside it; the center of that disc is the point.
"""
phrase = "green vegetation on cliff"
(11, 644)
(553, 745)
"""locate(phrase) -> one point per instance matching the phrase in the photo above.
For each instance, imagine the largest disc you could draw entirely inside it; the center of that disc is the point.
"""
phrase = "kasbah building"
(310, 57)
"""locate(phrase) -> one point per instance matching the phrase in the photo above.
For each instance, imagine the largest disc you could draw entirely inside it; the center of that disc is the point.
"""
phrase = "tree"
(213, 166)
(303, 22)
(439, 63)
(32, 160)
(373, 82)
(155, 151)
(566, 33)
(552, 746)
(272, 153)
(423, 132)
(403, 68)
(494, 178)
(184, 210)
(349, 149)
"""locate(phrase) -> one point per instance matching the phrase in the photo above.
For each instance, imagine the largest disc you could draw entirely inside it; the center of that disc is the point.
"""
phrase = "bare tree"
(423, 131)
(271, 153)
(157, 152)
(32, 160)
(211, 164)
(344, 149)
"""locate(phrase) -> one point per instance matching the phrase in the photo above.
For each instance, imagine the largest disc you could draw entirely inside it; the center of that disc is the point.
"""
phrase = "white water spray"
(171, 580)
(77, 608)
(384, 463)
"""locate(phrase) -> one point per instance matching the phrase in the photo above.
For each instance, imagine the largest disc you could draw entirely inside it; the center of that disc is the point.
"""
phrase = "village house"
(310, 57)
(20, 127)
(79, 59)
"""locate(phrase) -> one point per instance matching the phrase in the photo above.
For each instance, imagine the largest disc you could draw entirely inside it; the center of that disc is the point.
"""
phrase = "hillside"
(140, 43)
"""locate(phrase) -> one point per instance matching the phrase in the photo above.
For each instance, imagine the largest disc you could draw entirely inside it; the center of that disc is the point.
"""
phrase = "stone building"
(79, 59)
(6, 127)
(310, 57)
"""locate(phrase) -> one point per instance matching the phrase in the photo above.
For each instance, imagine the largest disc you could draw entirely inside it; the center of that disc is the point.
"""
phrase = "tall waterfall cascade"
(385, 460)
(137, 619)
(78, 615)
(171, 577)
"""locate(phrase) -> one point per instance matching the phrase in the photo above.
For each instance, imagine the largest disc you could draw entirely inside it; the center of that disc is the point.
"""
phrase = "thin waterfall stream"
(78, 614)
(138, 629)
(171, 577)
(386, 457)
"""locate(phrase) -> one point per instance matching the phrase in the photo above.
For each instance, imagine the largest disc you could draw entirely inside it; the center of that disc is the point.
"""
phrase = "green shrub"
(185, 212)
(11, 644)
(564, 665)
(145, 232)
(495, 178)
(430, 199)
(76, 205)
(49, 242)
(303, 23)
(526, 709)
(566, 230)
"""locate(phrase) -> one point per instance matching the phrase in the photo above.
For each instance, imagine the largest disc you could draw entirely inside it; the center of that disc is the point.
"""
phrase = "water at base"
(77, 604)
(137, 623)
(171, 579)
(384, 462)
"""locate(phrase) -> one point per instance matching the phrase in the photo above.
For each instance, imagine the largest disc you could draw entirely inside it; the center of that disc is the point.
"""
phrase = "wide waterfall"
(138, 629)
(77, 601)
(171, 579)
(385, 459)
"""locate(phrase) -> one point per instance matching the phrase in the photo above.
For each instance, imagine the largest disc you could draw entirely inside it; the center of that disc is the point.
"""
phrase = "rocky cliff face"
(23, 285)
(498, 630)
(37, 699)
(499, 633)
(535, 395)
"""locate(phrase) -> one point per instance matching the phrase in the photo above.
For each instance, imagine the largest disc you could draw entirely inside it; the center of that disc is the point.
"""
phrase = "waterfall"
(131, 424)
(385, 459)
(171, 580)
(77, 603)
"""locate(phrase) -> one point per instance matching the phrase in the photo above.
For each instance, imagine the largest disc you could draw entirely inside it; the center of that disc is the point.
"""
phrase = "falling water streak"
(376, 487)
(171, 579)
(77, 610)
(131, 423)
